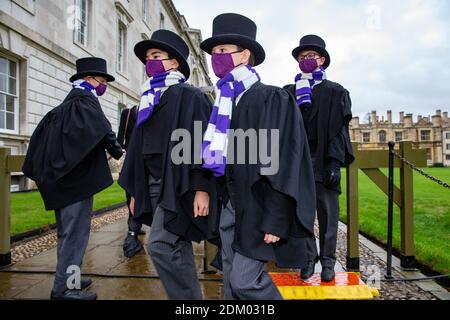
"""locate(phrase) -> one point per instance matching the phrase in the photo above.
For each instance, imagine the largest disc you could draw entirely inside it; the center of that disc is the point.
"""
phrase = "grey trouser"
(328, 216)
(73, 225)
(172, 256)
(243, 278)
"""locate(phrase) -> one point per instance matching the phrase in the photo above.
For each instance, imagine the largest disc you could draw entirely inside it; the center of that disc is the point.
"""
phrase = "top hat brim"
(141, 48)
(320, 50)
(94, 73)
(239, 40)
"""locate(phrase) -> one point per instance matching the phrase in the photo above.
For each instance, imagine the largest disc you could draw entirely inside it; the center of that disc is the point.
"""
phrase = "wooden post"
(210, 254)
(5, 188)
(407, 208)
(352, 214)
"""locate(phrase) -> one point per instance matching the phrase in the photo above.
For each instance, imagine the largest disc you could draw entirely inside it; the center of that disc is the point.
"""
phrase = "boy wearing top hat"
(326, 110)
(265, 216)
(173, 197)
(66, 158)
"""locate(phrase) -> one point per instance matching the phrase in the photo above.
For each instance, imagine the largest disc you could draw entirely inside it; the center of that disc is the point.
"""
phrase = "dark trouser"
(243, 277)
(172, 256)
(328, 216)
(73, 225)
(133, 224)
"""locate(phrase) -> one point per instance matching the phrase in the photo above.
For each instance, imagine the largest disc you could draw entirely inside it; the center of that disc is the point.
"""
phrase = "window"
(447, 146)
(81, 22)
(9, 118)
(398, 136)
(366, 137)
(447, 135)
(425, 135)
(145, 11)
(161, 21)
(447, 157)
(382, 136)
(121, 48)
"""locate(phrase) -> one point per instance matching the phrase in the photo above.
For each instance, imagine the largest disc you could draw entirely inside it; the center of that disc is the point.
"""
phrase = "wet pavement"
(114, 276)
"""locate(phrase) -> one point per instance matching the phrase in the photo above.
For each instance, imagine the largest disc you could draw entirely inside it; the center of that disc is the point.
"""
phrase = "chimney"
(436, 119)
(419, 117)
(402, 117)
(438, 112)
(373, 118)
(389, 117)
(355, 122)
(408, 120)
(445, 115)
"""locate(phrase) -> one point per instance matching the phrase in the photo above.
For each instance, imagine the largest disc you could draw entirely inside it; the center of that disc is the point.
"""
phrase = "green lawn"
(27, 209)
(431, 218)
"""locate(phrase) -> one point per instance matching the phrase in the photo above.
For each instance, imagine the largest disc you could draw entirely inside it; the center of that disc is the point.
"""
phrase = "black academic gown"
(327, 126)
(185, 104)
(282, 204)
(66, 155)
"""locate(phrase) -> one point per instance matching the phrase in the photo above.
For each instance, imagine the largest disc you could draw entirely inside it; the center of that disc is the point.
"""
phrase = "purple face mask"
(308, 65)
(101, 88)
(222, 63)
(153, 67)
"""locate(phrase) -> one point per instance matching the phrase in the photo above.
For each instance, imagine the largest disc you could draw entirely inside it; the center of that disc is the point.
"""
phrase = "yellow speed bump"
(346, 286)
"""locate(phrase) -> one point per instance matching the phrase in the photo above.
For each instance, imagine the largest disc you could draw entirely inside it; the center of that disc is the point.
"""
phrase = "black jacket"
(66, 156)
(185, 104)
(326, 124)
(124, 137)
(283, 203)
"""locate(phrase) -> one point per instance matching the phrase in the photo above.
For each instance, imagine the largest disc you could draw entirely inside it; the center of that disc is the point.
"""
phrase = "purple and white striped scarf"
(84, 85)
(305, 82)
(215, 140)
(152, 90)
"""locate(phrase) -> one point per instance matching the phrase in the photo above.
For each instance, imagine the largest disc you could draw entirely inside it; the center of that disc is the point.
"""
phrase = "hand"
(270, 238)
(332, 174)
(132, 206)
(332, 178)
(201, 204)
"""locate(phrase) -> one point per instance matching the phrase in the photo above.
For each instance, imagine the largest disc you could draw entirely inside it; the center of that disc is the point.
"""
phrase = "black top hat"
(232, 28)
(169, 42)
(91, 66)
(312, 42)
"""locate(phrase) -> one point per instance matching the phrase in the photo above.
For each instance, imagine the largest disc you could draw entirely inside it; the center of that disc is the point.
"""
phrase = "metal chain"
(426, 175)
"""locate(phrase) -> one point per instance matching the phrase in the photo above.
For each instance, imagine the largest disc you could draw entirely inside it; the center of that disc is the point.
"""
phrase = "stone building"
(431, 133)
(446, 143)
(41, 40)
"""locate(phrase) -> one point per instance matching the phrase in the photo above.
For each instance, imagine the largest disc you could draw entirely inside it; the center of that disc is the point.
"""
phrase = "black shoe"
(74, 295)
(85, 282)
(308, 270)
(141, 232)
(327, 274)
(132, 246)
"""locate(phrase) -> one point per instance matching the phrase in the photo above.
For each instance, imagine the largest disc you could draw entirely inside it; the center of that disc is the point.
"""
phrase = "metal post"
(5, 188)
(390, 210)
(352, 263)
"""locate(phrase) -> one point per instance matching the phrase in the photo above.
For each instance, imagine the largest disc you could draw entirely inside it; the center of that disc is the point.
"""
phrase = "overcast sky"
(388, 54)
